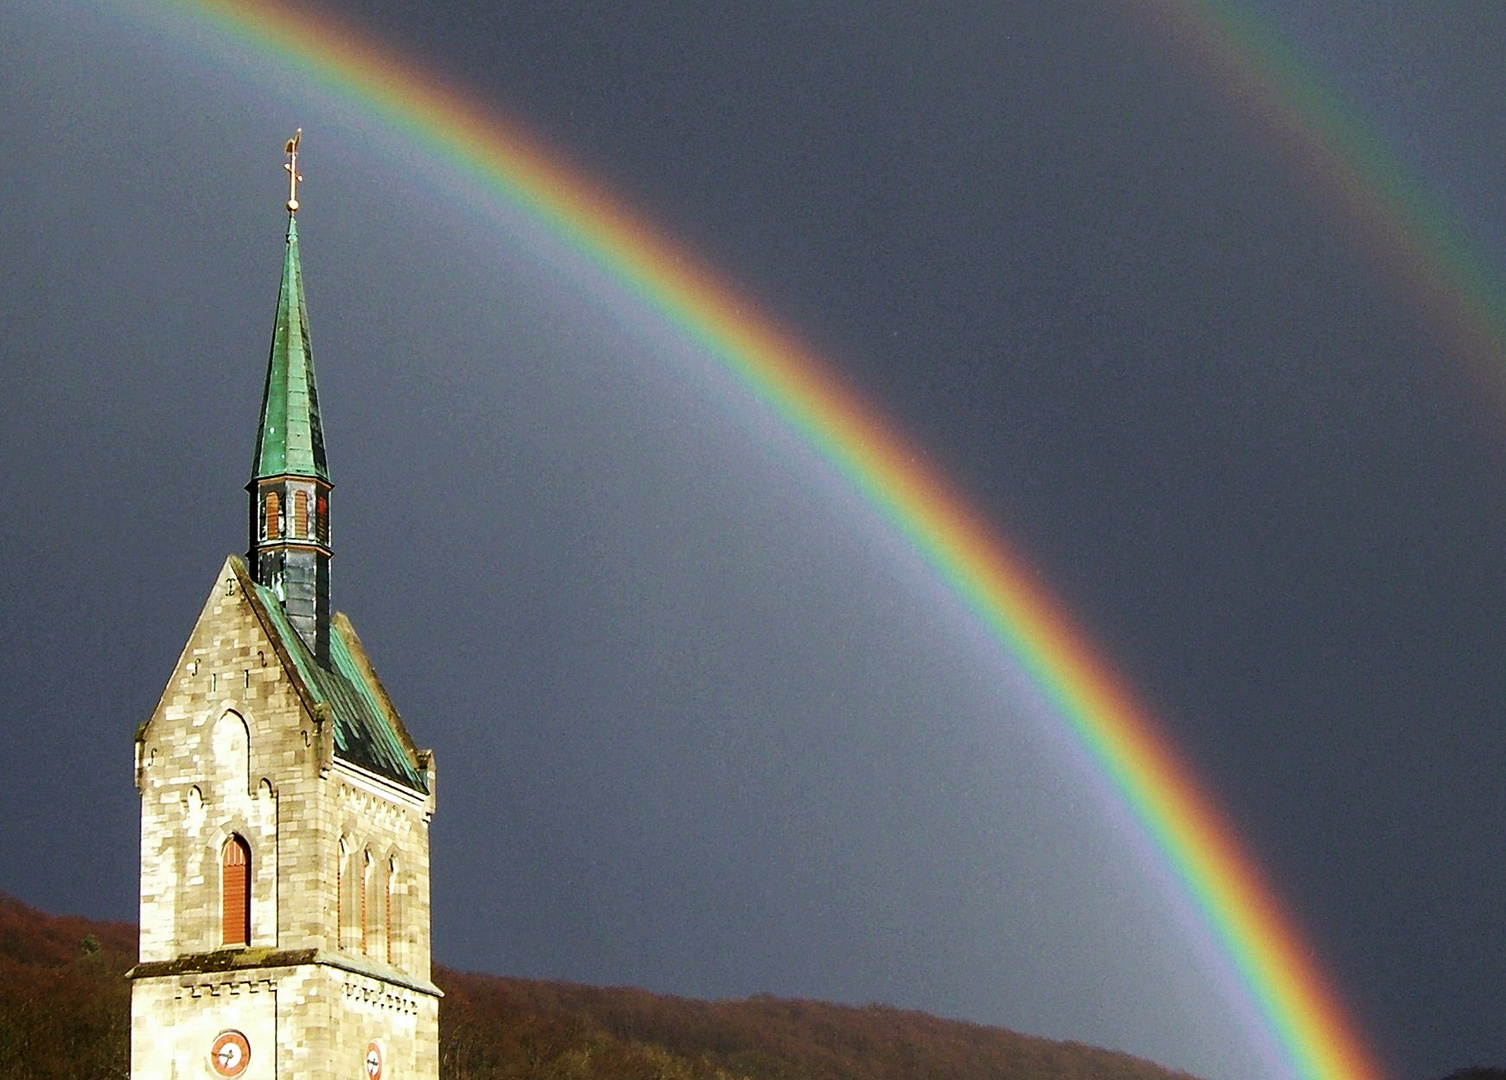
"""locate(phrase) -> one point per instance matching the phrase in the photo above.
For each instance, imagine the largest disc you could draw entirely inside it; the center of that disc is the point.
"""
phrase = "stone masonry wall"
(312, 1022)
(232, 748)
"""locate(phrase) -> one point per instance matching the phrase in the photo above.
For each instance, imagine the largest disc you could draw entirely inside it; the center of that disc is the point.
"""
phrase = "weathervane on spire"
(293, 174)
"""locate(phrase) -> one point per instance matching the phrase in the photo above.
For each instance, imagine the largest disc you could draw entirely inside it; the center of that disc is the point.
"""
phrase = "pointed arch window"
(300, 513)
(365, 912)
(342, 906)
(235, 878)
(387, 907)
(274, 514)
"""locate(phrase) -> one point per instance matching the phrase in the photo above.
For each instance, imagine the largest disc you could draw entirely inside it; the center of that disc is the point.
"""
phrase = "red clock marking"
(374, 1061)
(230, 1054)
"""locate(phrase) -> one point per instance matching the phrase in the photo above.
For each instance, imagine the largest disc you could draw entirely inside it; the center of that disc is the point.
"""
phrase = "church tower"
(284, 809)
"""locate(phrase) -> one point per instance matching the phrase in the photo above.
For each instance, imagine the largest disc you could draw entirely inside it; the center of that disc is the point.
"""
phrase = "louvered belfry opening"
(236, 876)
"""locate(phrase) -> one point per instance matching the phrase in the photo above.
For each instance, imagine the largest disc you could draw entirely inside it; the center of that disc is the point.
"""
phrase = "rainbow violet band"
(1260, 942)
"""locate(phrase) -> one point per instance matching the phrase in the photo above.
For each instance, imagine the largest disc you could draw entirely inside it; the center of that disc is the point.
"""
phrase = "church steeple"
(290, 483)
(284, 808)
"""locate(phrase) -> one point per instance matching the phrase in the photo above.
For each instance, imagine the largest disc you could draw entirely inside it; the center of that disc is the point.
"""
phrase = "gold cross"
(293, 174)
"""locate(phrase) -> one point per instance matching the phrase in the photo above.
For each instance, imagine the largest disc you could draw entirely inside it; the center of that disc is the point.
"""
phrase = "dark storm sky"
(701, 726)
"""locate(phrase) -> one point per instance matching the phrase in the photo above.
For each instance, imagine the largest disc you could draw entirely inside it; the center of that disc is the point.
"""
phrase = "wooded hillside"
(65, 1015)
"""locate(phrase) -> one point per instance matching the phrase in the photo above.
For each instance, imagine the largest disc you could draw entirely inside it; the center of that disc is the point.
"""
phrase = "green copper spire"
(291, 439)
(290, 489)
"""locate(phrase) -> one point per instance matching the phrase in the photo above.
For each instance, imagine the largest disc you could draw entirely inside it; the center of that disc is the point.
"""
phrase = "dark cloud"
(702, 723)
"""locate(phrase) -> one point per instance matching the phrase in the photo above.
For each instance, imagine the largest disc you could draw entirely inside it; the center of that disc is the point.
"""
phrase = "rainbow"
(1260, 941)
(1392, 217)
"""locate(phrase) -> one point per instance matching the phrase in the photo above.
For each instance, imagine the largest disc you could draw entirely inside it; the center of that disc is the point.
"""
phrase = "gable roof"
(367, 729)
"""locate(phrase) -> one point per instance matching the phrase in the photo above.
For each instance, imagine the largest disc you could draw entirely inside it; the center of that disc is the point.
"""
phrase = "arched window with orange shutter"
(235, 880)
(342, 906)
(300, 513)
(387, 908)
(274, 513)
(365, 913)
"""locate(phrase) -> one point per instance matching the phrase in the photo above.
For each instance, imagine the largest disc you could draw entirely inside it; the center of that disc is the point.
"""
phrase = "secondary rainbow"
(1260, 941)
(1344, 166)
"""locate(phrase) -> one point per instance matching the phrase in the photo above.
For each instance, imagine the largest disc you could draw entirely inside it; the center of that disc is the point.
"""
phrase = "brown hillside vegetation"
(65, 1007)
(501, 1029)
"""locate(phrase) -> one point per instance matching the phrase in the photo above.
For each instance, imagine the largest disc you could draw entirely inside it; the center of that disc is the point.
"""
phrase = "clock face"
(230, 1054)
(374, 1061)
